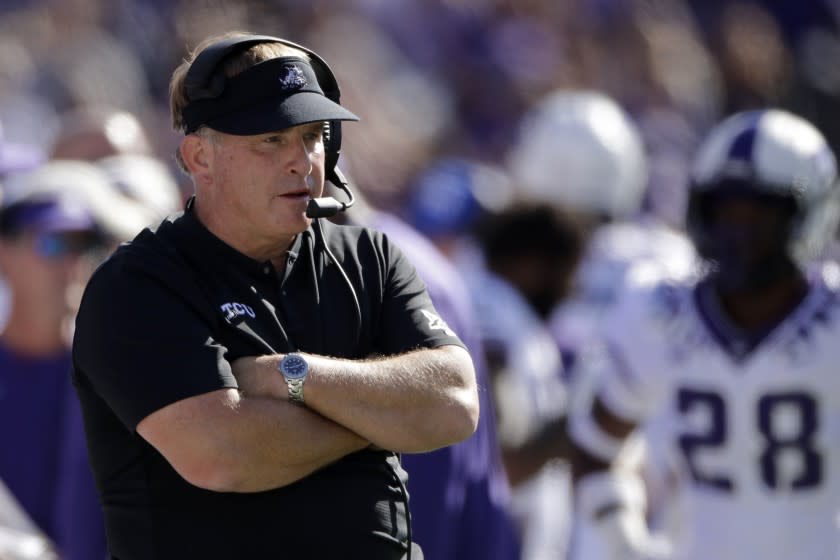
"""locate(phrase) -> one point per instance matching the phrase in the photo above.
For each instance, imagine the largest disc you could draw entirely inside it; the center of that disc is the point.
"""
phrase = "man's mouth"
(295, 195)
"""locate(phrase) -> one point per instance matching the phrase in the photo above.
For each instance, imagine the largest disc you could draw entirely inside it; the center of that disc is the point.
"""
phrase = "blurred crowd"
(434, 78)
(483, 121)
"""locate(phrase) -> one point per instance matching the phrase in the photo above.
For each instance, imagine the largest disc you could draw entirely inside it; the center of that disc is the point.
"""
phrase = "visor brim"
(269, 116)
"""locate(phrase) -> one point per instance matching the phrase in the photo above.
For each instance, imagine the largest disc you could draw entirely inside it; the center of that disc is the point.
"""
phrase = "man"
(45, 243)
(582, 153)
(248, 374)
(738, 365)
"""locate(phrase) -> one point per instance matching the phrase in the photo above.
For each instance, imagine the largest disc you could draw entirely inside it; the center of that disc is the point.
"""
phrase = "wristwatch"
(294, 368)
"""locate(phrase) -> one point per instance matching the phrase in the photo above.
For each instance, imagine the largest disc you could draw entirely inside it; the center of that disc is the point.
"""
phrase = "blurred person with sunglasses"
(46, 239)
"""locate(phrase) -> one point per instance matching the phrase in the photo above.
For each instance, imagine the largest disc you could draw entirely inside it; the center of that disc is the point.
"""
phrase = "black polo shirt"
(161, 321)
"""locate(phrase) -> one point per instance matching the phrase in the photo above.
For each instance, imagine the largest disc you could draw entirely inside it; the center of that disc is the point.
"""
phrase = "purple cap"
(45, 215)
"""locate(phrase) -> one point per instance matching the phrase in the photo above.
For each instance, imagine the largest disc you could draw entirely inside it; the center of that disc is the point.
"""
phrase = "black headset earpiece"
(205, 81)
(200, 83)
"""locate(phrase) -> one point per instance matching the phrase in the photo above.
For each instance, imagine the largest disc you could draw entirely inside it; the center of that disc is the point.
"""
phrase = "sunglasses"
(58, 245)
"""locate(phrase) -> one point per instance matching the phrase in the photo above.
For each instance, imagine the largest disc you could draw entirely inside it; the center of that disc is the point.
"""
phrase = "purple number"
(714, 436)
(801, 442)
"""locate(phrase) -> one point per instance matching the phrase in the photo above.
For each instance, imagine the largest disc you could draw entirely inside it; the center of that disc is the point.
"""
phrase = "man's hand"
(613, 504)
(258, 376)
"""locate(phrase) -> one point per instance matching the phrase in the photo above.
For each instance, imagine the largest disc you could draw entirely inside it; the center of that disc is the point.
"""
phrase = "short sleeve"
(629, 382)
(408, 318)
(141, 344)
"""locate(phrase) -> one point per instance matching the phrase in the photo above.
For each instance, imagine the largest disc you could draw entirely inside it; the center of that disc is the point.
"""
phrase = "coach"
(248, 374)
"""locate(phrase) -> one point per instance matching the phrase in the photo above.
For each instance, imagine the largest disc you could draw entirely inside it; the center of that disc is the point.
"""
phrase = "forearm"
(277, 443)
(226, 442)
(414, 402)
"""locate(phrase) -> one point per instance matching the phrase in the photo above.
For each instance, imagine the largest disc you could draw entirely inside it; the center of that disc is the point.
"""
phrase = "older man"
(248, 374)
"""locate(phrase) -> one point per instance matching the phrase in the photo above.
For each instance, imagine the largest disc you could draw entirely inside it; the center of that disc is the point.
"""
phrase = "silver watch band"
(295, 390)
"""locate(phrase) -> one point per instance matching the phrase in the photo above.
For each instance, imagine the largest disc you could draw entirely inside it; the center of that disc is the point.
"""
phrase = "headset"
(204, 81)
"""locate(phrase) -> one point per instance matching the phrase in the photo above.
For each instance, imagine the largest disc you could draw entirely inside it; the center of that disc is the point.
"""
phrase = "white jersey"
(754, 427)
(618, 254)
(529, 393)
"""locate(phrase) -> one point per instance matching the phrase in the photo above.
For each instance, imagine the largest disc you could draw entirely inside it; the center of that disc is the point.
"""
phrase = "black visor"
(272, 95)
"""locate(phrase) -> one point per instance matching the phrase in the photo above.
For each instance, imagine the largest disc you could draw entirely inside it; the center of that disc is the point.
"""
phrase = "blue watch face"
(294, 367)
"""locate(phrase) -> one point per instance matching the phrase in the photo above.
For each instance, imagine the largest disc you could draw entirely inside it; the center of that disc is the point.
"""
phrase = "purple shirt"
(43, 458)
(459, 494)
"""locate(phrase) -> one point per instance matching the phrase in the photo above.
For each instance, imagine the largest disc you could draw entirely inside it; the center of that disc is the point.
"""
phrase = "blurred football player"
(580, 151)
(737, 363)
(450, 199)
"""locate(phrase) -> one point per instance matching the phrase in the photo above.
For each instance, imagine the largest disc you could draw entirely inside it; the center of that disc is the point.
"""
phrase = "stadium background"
(434, 78)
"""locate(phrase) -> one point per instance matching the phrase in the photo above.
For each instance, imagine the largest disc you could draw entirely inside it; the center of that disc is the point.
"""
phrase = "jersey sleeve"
(628, 383)
(408, 319)
(142, 345)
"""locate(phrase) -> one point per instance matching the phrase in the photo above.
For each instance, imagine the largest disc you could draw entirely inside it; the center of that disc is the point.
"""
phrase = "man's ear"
(195, 153)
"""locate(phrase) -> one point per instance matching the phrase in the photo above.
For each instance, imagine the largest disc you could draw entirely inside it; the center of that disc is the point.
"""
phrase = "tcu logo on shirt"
(232, 310)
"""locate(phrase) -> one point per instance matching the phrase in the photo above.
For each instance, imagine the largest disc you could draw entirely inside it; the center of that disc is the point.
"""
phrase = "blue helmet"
(452, 193)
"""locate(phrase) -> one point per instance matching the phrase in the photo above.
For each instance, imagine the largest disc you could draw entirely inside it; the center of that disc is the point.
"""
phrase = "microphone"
(327, 206)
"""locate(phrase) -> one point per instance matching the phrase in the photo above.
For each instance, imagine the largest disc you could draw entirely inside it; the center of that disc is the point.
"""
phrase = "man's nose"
(301, 160)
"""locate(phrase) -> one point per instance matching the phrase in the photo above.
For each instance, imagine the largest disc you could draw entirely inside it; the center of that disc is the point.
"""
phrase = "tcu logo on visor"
(232, 310)
(292, 77)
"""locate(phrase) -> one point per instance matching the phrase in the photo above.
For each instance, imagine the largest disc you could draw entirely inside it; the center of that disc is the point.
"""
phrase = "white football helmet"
(145, 180)
(772, 152)
(120, 217)
(579, 149)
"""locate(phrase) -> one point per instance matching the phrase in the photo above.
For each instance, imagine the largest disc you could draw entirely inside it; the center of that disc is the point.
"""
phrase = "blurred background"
(434, 77)
(571, 123)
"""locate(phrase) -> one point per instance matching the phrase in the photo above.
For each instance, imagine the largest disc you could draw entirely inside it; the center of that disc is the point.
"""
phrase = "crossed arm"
(255, 439)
